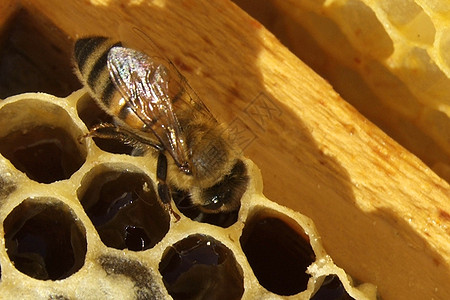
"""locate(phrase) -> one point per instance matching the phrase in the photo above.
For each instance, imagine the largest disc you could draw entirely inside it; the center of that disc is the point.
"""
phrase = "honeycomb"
(390, 59)
(81, 219)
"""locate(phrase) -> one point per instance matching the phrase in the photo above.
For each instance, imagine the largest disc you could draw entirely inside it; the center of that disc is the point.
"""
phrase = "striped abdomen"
(91, 56)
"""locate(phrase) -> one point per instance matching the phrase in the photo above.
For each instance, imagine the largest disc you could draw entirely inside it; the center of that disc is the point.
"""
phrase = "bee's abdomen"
(91, 55)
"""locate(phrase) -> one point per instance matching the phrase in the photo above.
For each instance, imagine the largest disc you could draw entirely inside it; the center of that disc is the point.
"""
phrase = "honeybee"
(155, 108)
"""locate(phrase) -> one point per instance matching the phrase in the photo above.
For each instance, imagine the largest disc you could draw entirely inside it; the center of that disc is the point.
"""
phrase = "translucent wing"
(144, 84)
(154, 51)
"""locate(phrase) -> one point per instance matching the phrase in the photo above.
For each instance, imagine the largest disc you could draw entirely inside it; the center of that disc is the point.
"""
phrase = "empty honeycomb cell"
(40, 139)
(45, 154)
(424, 77)
(124, 208)
(436, 122)
(410, 20)
(278, 254)
(145, 286)
(44, 239)
(91, 114)
(200, 267)
(437, 6)
(331, 289)
(362, 28)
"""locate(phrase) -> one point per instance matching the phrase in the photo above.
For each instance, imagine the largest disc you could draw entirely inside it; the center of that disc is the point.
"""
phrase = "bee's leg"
(163, 188)
(111, 131)
(161, 175)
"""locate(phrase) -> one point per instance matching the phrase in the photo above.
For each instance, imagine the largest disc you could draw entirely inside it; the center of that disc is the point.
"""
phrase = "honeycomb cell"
(278, 254)
(124, 208)
(437, 6)
(45, 154)
(39, 139)
(200, 267)
(91, 114)
(44, 239)
(331, 289)
(144, 282)
(362, 28)
(410, 19)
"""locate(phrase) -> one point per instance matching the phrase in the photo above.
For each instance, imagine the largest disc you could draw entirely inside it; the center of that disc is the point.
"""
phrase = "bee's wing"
(143, 83)
(155, 52)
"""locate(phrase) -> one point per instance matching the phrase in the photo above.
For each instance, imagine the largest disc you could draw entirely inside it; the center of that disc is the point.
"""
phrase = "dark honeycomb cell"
(332, 289)
(91, 114)
(143, 279)
(183, 203)
(44, 239)
(124, 208)
(40, 139)
(46, 154)
(278, 254)
(200, 267)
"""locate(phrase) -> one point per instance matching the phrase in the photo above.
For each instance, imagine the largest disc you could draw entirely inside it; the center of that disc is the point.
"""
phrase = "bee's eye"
(186, 168)
(214, 203)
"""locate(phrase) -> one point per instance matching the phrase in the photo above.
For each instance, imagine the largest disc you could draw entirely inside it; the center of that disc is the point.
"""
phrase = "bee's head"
(225, 196)
(214, 204)
(186, 168)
